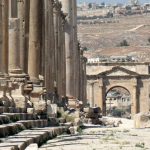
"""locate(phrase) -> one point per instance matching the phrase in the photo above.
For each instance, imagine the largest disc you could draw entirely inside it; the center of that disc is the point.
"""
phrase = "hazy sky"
(112, 1)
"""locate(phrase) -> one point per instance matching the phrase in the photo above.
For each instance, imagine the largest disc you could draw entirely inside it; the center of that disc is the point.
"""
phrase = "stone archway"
(138, 86)
(118, 102)
(127, 83)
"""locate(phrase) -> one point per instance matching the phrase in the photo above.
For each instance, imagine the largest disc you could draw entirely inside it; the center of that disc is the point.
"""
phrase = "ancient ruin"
(41, 67)
(48, 85)
(132, 76)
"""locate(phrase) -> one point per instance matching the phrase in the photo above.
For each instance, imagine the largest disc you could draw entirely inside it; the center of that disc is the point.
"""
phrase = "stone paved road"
(122, 138)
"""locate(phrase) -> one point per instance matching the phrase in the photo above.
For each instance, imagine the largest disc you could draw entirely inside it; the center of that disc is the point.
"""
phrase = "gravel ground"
(124, 137)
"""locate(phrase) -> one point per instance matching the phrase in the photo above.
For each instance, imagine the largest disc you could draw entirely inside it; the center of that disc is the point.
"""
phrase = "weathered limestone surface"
(48, 47)
(42, 43)
(137, 85)
(4, 50)
(142, 120)
(66, 7)
(17, 77)
(34, 40)
(34, 55)
(21, 6)
(14, 49)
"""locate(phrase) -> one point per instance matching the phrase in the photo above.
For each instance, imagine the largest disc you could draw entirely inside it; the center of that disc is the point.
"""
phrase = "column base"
(18, 81)
(37, 99)
(74, 103)
(5, 98)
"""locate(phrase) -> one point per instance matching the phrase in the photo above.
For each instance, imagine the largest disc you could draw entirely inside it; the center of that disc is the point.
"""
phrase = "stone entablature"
(141, 68)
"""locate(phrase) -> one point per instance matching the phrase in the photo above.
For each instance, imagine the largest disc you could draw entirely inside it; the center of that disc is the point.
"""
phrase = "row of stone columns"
(41, 43)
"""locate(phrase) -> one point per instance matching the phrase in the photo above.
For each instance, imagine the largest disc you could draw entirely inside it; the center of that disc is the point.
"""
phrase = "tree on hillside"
(124, 43)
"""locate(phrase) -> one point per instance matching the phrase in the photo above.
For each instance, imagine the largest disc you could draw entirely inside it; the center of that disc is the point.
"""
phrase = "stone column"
(27, 11)
(81, 75)
(134, 104)
(59, 54)
(13, 9)
(1, 39)
(21, 16)
(63, 64)
(101, 100)
(34, 40)
(4, 84)
(92, 95)
(66, 8)
(84, 81)
(17, 77)
(14, 53)
(56, 12)
(75, 48)
(4, 51)
(51, 45)
(48, 45)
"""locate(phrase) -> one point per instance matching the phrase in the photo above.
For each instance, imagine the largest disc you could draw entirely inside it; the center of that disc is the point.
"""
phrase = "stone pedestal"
(4, 100)
(37, 99)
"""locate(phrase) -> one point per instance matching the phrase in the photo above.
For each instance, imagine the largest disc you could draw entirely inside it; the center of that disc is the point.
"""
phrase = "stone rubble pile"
(92, 115)
(84, 117)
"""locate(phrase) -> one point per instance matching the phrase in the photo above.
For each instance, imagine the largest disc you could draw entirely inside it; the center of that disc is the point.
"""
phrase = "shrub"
(124, 43)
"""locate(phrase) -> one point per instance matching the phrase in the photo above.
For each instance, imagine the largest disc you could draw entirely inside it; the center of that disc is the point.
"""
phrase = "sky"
(112, 1)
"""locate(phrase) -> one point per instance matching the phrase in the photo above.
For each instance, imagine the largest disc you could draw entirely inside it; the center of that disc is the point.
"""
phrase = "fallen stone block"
(78, 122)
(97, 110)
(73, 130)
(62, 120)
(32, 147)
(92, 115)
(142, 120)
(30, 110)
(88, 110)
(3, 131)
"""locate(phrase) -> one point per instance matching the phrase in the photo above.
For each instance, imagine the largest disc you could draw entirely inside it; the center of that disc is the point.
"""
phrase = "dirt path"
(136, 28)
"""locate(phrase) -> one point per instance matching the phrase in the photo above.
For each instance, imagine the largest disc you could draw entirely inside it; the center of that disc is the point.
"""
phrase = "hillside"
(105, 38)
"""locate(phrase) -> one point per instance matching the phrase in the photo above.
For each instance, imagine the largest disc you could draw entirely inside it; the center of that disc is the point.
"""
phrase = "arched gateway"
(137, 84)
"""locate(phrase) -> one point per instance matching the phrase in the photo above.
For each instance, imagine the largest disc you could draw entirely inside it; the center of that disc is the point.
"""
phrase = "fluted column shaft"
(1, 39)
(34, 39)
(75, 48)
(13, 9)
(14, 51)
(66, 8)
(63, 55)
(4, 12)
(21, 16)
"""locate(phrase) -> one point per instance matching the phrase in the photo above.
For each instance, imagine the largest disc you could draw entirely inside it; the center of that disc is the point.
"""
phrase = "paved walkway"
(98, 138)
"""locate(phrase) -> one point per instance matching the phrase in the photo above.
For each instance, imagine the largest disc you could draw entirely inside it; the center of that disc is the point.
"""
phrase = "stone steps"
(4, 109)
(13, 128)
(36, 135)
(13, 117)
(18, 129)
